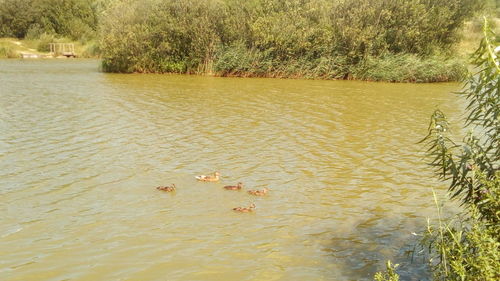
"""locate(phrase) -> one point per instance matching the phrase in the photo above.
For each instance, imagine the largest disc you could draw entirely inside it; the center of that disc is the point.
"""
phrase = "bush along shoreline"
(377, 40)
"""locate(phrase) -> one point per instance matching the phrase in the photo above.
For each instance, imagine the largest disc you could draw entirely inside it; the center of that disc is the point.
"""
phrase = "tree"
(467, 247)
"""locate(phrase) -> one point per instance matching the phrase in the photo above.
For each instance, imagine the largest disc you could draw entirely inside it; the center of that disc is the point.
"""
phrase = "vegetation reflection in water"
(82, 152)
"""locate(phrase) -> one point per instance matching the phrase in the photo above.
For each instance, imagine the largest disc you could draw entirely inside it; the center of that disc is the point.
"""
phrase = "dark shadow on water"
(363, 250)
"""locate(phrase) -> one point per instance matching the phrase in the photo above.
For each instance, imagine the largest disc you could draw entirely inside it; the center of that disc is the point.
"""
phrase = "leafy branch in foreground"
(390, 273)
(480, 150)
(468, 247)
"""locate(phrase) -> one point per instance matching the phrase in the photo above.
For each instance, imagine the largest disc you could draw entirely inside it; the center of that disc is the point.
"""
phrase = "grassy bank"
(13, 47)
(390, 67)
(10, 48)
(83, 48)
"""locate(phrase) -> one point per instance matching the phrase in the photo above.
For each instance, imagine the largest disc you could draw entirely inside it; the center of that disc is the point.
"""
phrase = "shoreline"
(243, 75)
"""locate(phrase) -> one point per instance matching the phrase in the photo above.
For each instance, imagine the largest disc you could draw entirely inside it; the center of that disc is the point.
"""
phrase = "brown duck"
(214, 177)
(234, 187)
(245, 210)
(261, 192)
(167, 188)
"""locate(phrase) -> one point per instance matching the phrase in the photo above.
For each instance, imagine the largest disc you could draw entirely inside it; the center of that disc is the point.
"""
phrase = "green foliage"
(7, 52)
(43, 42)
(468, 247)
(409, 67)
(392, 40)
(16, 17)
(462, 164)
(91, 50)
(36, 32)
(389, 274)
(236, 59)
(31, 18)
(285, 38)
(488, 205)
(158, 36)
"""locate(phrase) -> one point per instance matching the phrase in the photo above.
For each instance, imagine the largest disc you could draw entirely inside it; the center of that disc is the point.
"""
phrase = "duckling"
(215, 177)
(234, 187)
(259, 192)
(245, 210)
(167, 188)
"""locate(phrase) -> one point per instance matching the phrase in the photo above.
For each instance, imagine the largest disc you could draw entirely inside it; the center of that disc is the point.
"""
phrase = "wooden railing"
(62, 49)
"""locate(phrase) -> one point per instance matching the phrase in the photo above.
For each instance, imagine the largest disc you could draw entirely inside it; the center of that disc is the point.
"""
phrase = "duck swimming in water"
(245, 210)
(214, 177)
(167, 188)
(259, 192)
(234, 187)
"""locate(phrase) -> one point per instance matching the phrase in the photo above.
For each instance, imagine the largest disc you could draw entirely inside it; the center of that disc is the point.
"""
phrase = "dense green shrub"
(16, 17)
(43, 42)
(157, 36)
(91, 50)
(468, 246)
(285, 38)
(72, 18)
(278, 38)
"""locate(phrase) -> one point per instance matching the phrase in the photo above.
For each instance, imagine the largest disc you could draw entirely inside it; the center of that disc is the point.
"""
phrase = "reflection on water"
(81, 153)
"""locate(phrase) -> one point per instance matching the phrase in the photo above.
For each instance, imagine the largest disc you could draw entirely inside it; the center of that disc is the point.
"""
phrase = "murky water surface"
(81, 153)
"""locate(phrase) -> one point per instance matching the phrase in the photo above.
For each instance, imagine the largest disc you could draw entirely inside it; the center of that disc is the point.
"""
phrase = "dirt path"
(19, 47)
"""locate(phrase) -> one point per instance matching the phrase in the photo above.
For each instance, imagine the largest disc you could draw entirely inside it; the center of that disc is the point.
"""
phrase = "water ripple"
(81, 153)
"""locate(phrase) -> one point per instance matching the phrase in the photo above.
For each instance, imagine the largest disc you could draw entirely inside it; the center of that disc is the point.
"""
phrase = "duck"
(261, 192)
(214, 177)
(167, 188)
(234, 187)
(245, 210)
